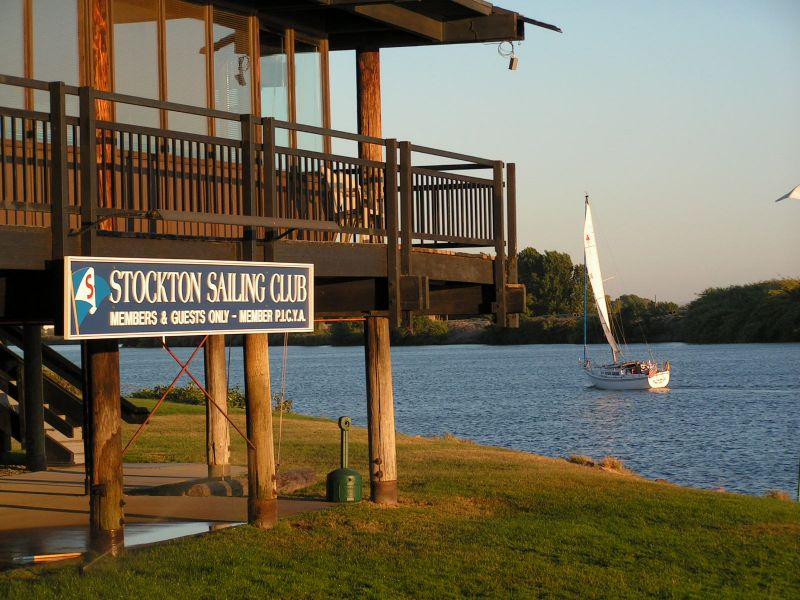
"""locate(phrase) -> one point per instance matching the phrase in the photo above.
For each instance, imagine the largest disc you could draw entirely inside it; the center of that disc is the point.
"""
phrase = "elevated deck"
(73, 181)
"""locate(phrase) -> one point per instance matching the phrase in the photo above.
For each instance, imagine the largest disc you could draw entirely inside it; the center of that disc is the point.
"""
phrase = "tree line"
(759, 312)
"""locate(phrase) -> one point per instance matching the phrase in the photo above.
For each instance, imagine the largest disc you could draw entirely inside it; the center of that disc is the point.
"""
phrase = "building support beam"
(218, 439)
(368, 99)
(380, 411)
(262, 498)
(104, 460)
(35, 457)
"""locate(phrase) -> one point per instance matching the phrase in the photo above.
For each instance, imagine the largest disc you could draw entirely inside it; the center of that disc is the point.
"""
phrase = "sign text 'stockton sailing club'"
(115, 297)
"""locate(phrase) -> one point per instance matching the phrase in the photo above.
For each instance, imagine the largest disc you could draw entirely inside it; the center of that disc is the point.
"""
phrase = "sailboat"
(620, 374)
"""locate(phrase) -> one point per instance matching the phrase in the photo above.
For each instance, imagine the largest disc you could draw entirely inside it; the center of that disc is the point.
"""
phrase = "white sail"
(596, 279)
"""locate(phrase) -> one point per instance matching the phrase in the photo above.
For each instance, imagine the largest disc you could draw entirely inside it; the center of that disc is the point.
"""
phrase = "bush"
(612, 463)
(281, 403)
(189, 394)
(579, 459)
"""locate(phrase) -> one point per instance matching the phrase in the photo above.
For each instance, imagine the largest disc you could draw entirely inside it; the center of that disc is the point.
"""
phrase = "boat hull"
(628, 381)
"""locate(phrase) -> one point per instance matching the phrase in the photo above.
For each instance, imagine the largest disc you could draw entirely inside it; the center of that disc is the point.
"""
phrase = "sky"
(681, 120)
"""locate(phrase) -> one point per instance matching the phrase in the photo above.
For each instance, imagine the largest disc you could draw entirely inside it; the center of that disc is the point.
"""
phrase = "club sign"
(124, 297)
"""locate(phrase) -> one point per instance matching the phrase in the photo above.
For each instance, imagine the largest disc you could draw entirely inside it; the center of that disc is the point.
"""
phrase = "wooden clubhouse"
(201, 130)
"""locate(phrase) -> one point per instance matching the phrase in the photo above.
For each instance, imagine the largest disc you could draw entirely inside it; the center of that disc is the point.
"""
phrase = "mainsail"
(596, 279)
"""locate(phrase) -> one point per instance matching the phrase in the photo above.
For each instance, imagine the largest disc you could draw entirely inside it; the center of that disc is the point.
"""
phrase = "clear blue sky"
(681, 119)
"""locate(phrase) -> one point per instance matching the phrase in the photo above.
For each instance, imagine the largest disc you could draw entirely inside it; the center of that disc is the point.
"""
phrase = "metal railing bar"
(453, 155)
(167, 133)
(361, 162)
(452, 238)
(451, 176)
(165, 105)
(330, 132)
(455, 167)
(246, 220)
(19, 113)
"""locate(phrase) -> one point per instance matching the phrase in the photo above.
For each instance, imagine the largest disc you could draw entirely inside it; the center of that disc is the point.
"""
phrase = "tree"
(554, 284)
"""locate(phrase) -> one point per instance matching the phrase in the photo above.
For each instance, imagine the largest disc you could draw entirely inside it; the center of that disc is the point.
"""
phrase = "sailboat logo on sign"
(88, 292)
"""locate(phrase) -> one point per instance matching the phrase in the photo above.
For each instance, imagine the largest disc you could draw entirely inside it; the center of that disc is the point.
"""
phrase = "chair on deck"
(348, 204)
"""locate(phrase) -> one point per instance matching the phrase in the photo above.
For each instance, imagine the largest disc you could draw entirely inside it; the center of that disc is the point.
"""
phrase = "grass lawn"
(472, 521)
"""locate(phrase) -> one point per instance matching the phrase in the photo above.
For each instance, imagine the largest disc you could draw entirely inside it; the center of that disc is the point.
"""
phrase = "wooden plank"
(460, 301)
(333, 259)
(498, 27)
(218, 439)
(352, 297)
(380, 411)
(404, 19)
(444, 267)
(262, 499)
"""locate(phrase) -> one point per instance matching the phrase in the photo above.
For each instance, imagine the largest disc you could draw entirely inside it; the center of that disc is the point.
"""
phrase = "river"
(731, 418)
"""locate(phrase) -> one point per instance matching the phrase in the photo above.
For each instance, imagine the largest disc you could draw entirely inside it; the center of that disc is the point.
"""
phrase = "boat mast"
(585, 284)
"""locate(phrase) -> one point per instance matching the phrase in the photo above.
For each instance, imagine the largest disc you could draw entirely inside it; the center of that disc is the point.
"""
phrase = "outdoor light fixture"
(244, 65)
(513, 59)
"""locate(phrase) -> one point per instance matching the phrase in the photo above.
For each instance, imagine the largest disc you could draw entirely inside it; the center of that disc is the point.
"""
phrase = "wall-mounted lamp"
(244, 65)
(513, 59)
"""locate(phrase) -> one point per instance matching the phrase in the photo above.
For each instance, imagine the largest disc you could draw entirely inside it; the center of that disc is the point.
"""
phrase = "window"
(135, 55)
(233, 76)
(308, 93)
(55, 48)
(275, 82)
(186, 53)
(12, 51)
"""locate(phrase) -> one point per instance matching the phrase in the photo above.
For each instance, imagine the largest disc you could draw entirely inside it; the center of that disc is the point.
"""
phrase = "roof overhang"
(368, 24)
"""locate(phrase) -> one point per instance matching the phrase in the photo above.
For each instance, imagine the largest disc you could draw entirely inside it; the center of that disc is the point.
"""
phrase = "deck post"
(104, 462)
(499, 245)
(392, 233)
(217, 433)
(88, 151)
(380, 411)
(35, 456)
(512, 275)
(262, 498)
(248, 123)
(270, 184)
(406, 217)
(59, 182)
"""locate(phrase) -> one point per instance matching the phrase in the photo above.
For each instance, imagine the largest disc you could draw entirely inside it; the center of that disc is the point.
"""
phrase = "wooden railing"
(81, 172)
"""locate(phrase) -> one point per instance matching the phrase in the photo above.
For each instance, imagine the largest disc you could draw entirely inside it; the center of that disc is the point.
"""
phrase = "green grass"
(473, 521)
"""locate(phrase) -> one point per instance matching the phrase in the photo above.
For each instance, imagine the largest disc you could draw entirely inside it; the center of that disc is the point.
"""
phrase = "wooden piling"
(35, 457)
(218, 439)
(380, 411)
(102, 393)
(262, 499)
(368, 100)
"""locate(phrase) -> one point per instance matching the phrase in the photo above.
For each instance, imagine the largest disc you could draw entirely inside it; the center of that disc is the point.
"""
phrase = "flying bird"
(794, 195)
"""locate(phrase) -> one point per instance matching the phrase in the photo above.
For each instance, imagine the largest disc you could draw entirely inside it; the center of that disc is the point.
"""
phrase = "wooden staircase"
(63, 405)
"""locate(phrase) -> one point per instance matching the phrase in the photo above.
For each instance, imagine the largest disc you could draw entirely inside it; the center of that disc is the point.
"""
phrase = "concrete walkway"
(47, 512)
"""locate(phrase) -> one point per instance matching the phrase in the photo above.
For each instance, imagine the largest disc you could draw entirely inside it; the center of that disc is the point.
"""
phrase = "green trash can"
(344, 484)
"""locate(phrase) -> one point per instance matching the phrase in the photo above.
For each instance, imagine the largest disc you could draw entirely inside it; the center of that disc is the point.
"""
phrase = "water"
(18, 548)
(731, 418)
